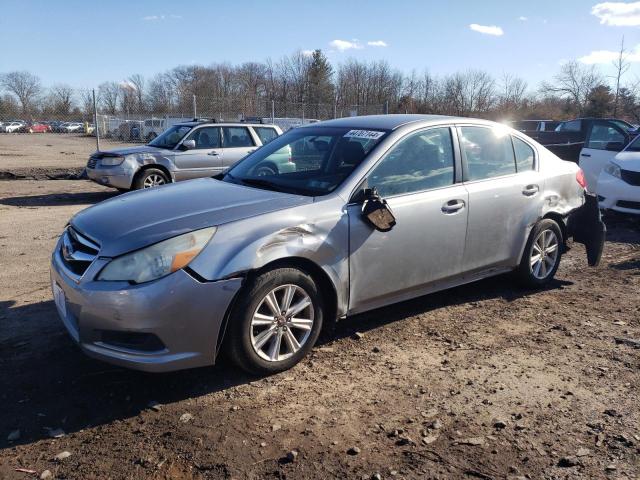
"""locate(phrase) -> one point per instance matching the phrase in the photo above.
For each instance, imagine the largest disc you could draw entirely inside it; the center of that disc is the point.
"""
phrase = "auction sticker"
(368, 134)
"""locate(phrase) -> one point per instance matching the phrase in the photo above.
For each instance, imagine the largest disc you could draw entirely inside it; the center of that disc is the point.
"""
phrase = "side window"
(236, 137)
(601, 135)
(524, 155)
(421, 161)
(206, 137)
(572, 126)
(266, 134)
(488, 152)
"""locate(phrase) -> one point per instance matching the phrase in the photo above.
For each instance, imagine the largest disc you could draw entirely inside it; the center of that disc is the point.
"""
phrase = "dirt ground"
(483, 381)
(47, 154)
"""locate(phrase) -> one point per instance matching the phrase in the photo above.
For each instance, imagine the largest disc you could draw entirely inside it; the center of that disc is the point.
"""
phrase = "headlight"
(158, 260)
(613, 170)
(112, 161)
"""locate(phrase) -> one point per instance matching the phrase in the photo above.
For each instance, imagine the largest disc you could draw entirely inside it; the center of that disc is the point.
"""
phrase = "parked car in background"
(184, 151)
(152, 127)
(13, 126)
(37, 127)
(531, 127)
(386, 208)
(569, 137)
(73, 127)
(129, 131)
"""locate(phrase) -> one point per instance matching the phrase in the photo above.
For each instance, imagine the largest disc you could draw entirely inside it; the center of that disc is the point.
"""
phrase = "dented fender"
(317, 233)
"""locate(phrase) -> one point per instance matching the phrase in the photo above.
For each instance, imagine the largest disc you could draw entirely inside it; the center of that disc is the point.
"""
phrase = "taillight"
(580, 178)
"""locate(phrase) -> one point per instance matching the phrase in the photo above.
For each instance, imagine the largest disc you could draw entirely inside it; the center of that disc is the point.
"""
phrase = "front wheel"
(541, 257)
(275, 323)
(149, 178)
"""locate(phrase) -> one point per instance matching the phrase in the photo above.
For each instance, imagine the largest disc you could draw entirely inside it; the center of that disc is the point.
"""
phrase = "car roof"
(224, 124)
(391, 122)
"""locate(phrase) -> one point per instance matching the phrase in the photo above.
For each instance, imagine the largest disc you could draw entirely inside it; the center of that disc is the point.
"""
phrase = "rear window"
(266, 134)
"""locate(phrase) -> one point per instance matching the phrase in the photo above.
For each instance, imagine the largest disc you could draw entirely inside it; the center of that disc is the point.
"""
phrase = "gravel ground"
(483, 381)
(46, 155)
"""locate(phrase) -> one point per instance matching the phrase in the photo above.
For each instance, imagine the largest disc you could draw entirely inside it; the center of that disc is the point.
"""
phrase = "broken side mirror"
(376, 211)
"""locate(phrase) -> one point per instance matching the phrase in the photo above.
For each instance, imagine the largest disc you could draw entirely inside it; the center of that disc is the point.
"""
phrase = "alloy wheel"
(282, 323)
(544, 254)
(153, 180)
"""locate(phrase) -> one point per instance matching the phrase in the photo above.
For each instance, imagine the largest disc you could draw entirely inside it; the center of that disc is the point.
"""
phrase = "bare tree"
(62, 99)
(575, 81)
(109, 93)
(512, 97)
(25, 86)
(622, 66)
(138, 83)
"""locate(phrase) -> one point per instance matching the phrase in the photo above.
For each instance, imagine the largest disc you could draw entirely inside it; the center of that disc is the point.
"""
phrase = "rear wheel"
(541, 257)
(276, 321)
(149, 178)
(266, 170)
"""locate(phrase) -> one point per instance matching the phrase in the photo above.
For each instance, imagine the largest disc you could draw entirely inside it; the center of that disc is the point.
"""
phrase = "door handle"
(213, 154)
(585, 154)
(530, 190)
(453, 206)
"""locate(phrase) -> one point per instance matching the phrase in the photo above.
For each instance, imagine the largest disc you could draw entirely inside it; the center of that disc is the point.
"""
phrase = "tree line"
(322, 90)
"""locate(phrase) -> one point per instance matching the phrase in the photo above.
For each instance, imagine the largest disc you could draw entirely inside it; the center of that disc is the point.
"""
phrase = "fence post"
(95, 120)
(386, 107)
(195, 107)
(273, 111)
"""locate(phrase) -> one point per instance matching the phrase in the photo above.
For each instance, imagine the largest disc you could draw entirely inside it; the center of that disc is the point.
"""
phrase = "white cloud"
(608, 56)
(377, 43)
(343, 45)
(307, 53)
(618, 14)
(155, 18)
(523, 19)
(487, 29)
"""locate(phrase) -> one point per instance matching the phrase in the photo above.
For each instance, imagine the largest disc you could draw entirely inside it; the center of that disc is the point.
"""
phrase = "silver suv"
(184, 151)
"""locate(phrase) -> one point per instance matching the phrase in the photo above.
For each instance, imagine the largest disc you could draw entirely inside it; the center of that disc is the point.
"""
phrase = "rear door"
(504, 185)
(237, 143)
(604, 141)
(205, 159)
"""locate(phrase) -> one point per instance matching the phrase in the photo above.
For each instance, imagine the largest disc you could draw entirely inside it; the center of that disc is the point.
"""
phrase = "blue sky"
(84, 43)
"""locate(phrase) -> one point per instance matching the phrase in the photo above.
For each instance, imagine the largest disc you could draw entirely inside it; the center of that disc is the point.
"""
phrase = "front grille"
(631, 177)
(77, 251)
(628, 204)
(93, 161)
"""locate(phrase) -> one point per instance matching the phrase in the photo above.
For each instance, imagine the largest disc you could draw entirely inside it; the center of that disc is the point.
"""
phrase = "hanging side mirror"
(376, 212)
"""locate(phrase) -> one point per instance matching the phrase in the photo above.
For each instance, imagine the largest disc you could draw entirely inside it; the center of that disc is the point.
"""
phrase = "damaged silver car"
(375, 210)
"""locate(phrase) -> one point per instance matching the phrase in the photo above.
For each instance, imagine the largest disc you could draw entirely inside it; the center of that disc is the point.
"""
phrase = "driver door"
(604, 141)
(205, 160)
(417, 177)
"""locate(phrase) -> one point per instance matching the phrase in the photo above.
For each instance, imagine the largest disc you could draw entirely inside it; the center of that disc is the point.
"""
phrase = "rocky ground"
(483, 381)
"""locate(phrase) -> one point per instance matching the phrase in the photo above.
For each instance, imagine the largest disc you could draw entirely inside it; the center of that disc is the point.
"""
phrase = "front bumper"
(612, 190)
(182, 315)
(120, 176)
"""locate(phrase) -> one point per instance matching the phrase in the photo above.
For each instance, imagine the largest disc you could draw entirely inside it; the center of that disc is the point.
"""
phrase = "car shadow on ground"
(51, 384)
(58, 199)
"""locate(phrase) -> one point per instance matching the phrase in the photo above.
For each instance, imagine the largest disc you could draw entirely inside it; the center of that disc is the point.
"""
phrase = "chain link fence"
(115, 127)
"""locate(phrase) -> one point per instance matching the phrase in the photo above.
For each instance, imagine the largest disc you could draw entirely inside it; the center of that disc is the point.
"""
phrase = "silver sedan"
(376, 210)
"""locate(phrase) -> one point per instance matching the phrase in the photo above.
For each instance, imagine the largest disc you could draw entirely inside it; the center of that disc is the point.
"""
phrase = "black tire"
(238, 344)
(266, 169)
(526, 272)
(146, 175)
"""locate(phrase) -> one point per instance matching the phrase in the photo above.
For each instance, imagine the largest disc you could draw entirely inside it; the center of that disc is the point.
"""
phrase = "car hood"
(130, 151)
(628, 161)
(138, 219)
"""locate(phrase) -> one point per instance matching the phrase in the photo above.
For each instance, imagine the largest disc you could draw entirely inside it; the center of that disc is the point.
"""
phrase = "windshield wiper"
(259, 182)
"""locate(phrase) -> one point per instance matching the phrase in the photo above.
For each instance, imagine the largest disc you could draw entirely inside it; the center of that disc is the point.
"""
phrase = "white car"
(11, 127)
(618, 186)
(74, 127)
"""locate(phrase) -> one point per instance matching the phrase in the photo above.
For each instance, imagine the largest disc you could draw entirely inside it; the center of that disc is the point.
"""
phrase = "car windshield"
(170, 137)
(624, 125)
(310, 161)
